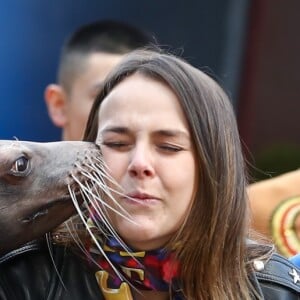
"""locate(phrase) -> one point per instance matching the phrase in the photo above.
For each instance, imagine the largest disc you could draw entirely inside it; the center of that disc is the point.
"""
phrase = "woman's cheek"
(115, 162)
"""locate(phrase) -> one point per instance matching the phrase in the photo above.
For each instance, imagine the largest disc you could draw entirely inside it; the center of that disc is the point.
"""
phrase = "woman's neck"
(150, 295)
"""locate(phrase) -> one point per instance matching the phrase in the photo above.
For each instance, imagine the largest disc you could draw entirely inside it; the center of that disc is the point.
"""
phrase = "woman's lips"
(140, 198)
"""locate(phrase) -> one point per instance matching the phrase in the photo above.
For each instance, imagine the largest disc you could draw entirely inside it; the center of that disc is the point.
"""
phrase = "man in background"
(86, 58)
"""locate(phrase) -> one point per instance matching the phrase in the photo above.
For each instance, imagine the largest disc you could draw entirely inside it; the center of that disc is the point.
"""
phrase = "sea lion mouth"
(35, 215)
(45, 209)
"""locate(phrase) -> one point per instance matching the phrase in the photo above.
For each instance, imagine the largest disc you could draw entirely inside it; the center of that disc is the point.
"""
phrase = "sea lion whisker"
(107, 191)
(104, 216)
(73, 233)
(105, 204)
(92, 235)
(102, 169)
(87, 173)
(83, 167)
(91, 197)
(75, 236)
(75, 203)
(99, 160)
(97, 175)
(49, 245)
(98, 225)
(104, 219)
(101, 176)
(101, 211)
(100, 166)
(107, 225)
(84, 188)
(89, 164)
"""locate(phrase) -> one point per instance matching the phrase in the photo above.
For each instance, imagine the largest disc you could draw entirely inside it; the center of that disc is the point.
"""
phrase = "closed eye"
(116, 145)
(170, 148)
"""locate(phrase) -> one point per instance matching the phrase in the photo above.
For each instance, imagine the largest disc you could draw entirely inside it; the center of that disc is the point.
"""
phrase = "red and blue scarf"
(155, 270)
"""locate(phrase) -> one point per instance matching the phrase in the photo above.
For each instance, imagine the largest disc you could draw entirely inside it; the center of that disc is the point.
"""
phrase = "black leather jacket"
(29, 273)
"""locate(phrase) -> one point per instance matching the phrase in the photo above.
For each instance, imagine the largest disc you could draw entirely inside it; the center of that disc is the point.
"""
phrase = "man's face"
(83, 91)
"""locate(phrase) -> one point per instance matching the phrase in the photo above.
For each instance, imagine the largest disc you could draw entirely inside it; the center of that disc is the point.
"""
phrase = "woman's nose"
(141, 165)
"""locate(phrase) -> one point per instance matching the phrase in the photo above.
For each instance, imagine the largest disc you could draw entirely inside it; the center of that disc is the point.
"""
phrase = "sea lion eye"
(20, 166)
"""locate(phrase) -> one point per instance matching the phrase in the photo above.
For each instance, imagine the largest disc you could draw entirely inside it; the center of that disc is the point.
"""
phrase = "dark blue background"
(209, 34)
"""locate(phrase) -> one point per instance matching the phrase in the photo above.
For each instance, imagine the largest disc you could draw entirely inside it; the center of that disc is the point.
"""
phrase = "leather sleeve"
(34, 275)
(279, 279)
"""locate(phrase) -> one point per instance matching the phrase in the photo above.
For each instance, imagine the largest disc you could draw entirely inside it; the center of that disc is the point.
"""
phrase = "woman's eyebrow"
(172, 133)
(169, 133)
(115, 129)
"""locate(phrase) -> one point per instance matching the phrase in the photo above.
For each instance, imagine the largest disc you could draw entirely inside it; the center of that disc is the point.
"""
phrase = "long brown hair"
(213, 254)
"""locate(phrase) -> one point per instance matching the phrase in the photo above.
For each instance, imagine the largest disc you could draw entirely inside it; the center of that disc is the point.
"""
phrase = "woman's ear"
(56, 101)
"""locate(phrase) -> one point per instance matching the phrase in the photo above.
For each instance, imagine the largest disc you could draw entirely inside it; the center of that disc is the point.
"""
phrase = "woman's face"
(147, 147)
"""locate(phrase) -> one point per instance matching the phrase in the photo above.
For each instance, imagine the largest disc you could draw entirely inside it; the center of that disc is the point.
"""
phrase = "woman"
(169, 139)
(174, 150)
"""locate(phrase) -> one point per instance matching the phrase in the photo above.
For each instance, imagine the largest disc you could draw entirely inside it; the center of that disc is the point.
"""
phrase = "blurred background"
(251, 47)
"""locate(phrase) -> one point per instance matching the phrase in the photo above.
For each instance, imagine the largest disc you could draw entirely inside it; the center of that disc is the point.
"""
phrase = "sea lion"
(35, 181)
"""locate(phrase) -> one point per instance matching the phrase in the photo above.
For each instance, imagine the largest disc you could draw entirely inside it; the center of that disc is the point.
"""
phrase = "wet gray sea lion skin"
(34, 179)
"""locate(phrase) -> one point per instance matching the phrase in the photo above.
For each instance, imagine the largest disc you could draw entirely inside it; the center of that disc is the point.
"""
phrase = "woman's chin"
(142, 238)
